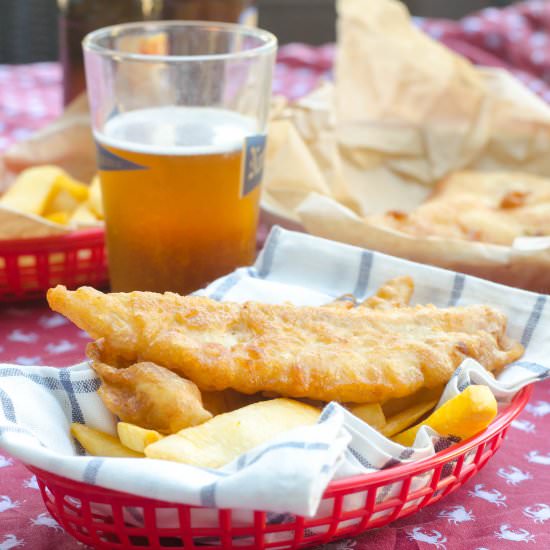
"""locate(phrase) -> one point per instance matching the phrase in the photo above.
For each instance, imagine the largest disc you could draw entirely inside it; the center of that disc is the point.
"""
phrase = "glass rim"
(268, 45)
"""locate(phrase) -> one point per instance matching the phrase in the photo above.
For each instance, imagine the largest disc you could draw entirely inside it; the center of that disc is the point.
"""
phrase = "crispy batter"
(394, 293)
(148, 395)
(492, 207)
(346, 301)
(219, 402)
(359, 355)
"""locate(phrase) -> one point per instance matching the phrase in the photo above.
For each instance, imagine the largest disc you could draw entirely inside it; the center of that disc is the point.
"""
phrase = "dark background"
(28, 28)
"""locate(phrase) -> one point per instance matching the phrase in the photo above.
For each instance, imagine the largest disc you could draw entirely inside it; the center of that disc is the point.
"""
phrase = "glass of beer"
(179, 113)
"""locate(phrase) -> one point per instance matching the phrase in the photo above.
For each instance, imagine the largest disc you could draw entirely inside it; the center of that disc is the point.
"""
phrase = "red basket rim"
(65, 239)
(362, 481)
(401, 471)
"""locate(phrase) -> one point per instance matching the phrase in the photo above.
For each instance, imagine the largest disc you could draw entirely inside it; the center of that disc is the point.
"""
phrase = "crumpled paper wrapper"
(403, 113)
(18, 225)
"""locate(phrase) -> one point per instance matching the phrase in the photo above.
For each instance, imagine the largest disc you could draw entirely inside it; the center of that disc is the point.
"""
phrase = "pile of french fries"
(50, 193)
(226, 436)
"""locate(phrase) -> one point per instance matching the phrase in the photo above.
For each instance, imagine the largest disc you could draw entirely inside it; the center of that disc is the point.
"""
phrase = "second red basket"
(28, 267)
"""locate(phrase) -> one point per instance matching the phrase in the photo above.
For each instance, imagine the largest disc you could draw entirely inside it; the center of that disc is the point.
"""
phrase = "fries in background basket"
(67, 194)
(50, 193)
(31, 190)
(94, 201)
(463, 416)
(82, 215)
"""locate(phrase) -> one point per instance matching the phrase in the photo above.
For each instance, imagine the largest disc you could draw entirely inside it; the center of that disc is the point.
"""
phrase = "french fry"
(94, 200)
(97, 443)
(58, 217)
(371, 413)
(78, 190)
(66, 195)
(399, 404)
(32, 189)
(136, 438)
(82, 215)
(462, 416)
(402, 420)
(226, 436)
(219, 402)
(60, 202)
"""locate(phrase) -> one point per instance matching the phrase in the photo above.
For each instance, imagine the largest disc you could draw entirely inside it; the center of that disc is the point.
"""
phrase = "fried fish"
(356, 355)
(393, 293)
(148, 395)
(491, 207)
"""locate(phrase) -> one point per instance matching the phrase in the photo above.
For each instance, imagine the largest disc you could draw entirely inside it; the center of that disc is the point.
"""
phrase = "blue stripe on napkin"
(51, 383)
(76, 412)
(228, 283)
(269, 253)
(7, 406)
(363, 276)
(92, 469)
(533, 321)
(208, 495)
(540, 370)
(458, 288)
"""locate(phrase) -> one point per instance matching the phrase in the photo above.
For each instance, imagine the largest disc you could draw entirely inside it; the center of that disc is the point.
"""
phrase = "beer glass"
(179, 113)
(79, 17)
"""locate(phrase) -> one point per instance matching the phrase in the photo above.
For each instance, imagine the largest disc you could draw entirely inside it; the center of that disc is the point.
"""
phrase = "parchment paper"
(403, 113)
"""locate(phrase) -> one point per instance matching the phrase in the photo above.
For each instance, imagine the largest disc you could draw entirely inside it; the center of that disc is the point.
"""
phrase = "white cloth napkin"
(289, 474)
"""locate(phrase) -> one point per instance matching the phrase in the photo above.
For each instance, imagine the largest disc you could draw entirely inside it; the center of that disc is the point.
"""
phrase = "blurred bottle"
(79, 17)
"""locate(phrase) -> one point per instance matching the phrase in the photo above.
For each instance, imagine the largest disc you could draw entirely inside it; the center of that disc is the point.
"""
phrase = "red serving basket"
(28, 267)
(96, 516)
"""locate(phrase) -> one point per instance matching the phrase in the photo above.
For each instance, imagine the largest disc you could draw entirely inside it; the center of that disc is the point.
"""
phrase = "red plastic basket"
(28, 267)
(107, 519)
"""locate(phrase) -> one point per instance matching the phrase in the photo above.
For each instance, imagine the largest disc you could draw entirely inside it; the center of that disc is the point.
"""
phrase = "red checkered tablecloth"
(506, 506)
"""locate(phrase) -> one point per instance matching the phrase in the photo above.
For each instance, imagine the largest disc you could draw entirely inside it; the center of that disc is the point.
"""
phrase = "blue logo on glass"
(254, 149)
(108, 161)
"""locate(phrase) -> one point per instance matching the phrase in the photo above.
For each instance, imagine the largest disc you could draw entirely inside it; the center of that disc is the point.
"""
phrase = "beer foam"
(177, 130)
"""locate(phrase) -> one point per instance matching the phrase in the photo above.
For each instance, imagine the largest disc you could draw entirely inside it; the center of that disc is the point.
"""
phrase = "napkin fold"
(288, 474)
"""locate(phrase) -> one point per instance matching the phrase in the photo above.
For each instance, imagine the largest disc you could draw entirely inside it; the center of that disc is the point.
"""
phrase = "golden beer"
(180, 206)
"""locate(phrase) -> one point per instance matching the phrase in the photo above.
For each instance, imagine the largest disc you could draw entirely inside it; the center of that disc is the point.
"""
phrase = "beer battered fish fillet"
(148, 395)
(359, 355)
(491, 207)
